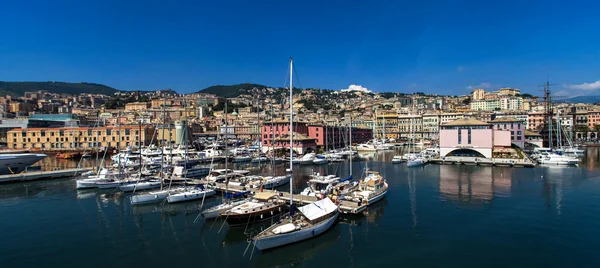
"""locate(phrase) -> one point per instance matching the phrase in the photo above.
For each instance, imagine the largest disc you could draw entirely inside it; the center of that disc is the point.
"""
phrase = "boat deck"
(346, 207)
(42, 175)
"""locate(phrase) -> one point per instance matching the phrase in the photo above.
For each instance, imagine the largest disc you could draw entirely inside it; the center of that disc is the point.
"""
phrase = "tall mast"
(350, 139)
(258, 126)
(162, 150)
(291, 132)
(119, 141)
(272, 144)
(226, 153)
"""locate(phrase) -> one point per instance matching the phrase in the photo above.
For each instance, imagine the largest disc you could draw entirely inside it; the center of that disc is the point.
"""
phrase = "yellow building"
(478, 94)
(390, 121)
(136, 106)
(78, 138)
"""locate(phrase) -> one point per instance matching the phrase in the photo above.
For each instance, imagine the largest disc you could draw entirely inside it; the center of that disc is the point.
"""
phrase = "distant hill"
(580, 99)
(19, 88)
(230, 91)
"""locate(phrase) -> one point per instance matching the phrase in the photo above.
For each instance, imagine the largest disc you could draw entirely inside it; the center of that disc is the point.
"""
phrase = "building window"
(459, 137)
(518, 132)
(469, 139)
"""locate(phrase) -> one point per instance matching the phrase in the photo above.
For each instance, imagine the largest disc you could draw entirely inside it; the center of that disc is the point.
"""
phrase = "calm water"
(434, 216)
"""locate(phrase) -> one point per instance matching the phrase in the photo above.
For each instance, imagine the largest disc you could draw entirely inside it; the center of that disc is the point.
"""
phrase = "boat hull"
(16, 163)
(251, 218)
(276, 182)
(214, 212)
(415, 163)
(295, 236)
(140, 186)
(189, 196)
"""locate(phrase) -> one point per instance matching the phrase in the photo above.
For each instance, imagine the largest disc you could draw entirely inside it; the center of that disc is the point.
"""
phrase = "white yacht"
(366, 147)
(371, 189)
(415, 162)
(556, 159)
(397, 159)
(16, 163)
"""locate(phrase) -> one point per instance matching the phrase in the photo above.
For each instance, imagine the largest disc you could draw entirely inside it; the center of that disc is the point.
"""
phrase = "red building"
(310, 136)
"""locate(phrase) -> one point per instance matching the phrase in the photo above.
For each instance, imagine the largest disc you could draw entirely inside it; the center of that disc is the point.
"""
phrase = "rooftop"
(505, 120)
(467, 121)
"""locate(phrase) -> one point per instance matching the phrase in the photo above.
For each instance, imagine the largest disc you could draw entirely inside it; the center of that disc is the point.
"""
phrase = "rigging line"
(296, 76)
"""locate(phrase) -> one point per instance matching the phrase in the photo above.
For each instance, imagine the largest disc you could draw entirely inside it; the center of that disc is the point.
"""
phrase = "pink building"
(515, 126)
(310, 136)
(471, 137)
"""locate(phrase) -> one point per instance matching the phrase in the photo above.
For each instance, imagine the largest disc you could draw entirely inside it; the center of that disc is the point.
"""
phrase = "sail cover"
(318, 209)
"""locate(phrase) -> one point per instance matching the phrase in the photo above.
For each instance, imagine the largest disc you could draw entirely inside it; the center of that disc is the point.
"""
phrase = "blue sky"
(445, 47)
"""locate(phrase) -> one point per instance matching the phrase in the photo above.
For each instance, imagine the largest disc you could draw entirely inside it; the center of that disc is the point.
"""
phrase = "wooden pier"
(346, 207)
(42, 175)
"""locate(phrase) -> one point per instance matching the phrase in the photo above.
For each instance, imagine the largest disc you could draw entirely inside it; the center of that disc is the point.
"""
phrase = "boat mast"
(272, 144)
(258, 126)
(350, 139)
(291, 132)
(162, 150)
(119, 141)
(226, 153)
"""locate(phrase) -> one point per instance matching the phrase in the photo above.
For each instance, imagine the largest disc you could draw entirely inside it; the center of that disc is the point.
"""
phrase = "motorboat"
(193, 172)
(366, 147)
(371, 189)
(556, 159)
(397, 159)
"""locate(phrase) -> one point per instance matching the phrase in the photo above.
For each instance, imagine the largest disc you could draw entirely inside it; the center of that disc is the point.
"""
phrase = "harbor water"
(432, 216)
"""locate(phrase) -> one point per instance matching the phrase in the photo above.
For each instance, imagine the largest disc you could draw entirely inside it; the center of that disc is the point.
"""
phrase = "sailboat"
(414, 160)
(215, 211)
(191, 192)
(160, 195)
(309, 221)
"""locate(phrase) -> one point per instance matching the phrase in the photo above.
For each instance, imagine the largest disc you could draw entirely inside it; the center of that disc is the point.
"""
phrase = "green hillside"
(230, 91)
(18, 88)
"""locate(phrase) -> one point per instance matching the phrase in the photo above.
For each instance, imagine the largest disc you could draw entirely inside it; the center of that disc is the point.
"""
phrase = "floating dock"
(42, 175)
(475, 161)
(346, 207)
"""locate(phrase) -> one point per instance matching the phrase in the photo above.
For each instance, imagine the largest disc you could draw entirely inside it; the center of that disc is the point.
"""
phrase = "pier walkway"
(479, 161)
(346, 207)
(42, 175)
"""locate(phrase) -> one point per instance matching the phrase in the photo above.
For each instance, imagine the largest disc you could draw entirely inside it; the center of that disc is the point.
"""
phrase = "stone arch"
(593, 135)
(466, 152)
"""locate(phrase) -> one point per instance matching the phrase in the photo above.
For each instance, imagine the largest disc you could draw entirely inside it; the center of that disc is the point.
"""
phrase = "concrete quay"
(478, 161)
(42, 175)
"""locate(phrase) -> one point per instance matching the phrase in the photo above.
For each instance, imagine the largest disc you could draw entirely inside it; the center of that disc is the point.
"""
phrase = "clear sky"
(446, 47)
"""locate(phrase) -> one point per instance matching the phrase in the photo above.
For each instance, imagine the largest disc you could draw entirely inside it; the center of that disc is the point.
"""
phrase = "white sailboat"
(414, 160)
(310, 220)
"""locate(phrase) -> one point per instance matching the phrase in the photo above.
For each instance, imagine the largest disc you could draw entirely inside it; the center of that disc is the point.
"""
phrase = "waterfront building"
(310, 135)
(515, 126)
(536, 120)
(389, 121)
(533, 139)
(471, 137)
(410, 124)
(79, 138)
(431, 126)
